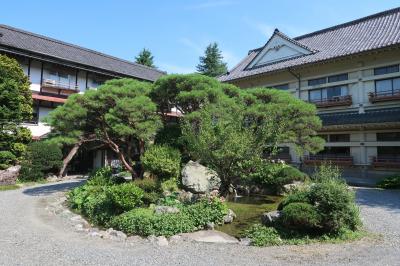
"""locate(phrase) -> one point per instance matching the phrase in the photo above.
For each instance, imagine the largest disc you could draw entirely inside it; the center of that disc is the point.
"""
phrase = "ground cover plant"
(324, 210)
(129, 206)
(392, 182)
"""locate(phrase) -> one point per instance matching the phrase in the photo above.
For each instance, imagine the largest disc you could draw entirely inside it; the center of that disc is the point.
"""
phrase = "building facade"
(351, 73)
(57, 69)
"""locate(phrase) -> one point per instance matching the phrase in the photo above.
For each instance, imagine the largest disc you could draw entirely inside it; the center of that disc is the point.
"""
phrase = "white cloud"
(264, 29)
(209, 4)
(191, 44)
(231, 59)
(175, 69)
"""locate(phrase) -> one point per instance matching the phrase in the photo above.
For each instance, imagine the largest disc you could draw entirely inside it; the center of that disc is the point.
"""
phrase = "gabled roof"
(41, 45)
(373, 32)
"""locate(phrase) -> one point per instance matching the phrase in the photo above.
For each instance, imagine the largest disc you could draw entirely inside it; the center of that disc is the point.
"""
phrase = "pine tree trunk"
(69, 157)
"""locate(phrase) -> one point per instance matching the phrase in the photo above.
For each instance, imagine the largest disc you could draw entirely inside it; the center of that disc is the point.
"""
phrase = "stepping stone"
(211, 236)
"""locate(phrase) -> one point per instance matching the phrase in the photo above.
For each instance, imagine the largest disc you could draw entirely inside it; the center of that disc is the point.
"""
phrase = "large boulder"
(165, 209)
(10, 175)
(199, 179)
(229, 217)
(269, 218)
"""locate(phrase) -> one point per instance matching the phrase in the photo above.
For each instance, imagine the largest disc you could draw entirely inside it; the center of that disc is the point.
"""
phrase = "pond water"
(248, 210)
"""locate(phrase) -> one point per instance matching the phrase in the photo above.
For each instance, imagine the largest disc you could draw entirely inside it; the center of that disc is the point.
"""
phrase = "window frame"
(386, 68)
(391, 82)
(346, 75)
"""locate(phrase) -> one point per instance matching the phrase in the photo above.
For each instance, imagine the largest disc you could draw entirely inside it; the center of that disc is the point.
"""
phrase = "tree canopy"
(145, 58)
(211, 63)
(118, 114)
(15, 107)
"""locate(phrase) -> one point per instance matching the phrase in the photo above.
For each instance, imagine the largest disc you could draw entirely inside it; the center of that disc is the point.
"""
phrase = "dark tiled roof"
(369, 33)
(38, 44)
(370, 116)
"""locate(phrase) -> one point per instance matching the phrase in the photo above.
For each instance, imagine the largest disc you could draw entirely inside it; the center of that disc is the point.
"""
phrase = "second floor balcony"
(60, 89)
(340, 159)
(333, 101)
(383, 96)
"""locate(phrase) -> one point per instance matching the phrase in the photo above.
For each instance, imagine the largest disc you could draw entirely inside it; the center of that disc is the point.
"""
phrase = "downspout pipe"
(298, 77)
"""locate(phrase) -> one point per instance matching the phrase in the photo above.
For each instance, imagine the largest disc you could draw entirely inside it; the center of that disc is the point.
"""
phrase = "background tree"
(15, 107)
(211, 63)
(145, 58)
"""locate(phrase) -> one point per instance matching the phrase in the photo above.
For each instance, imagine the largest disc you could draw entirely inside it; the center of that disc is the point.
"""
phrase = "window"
(388, 136)
(313, 82)
(339, 138)
(281, 87)
(61, 78)
(386, 70)
(387, 85)
(388, 151)
(328, 93)
(339, 77)
(335, 151)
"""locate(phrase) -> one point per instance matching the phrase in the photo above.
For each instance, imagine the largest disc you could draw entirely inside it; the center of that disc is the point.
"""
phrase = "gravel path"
(30, 235)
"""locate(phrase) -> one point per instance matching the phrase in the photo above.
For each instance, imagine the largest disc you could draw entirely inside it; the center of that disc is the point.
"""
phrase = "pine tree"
(211, 63)
(145, 58)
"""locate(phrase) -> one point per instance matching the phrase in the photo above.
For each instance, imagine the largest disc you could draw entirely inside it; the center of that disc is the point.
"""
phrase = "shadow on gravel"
(52, 188)
(389, 199)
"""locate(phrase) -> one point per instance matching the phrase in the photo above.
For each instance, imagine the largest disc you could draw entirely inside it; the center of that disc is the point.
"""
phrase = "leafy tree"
(119, 114)
(145, 58)
(15, 107)
(211, 63)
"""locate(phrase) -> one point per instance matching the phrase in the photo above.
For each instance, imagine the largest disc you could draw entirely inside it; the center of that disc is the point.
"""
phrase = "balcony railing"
(383, 96)
(341, 159)
(54, 88)
(388, 161)
(283, 157)
(334, 101)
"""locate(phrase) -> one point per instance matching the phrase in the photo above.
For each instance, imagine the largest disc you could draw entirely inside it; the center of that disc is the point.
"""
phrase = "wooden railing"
(334, 101)
(382, 96)
(334, 158)
(53, 88)
(283, 157)
(386, 161)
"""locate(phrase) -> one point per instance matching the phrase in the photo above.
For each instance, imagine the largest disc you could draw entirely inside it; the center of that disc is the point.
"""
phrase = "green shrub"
(7, 159)
(104, 177)
(332, 199)
(270, 175)
(263, 236)
(327, 171)
(162, 161)
(41, 158)
(170, 185)
(392, 182)
(144, 222)
(335, 203)
(99, 208)
(206, 211)
(125, 196)
(169, 135)
(301, 216)
(151, 188)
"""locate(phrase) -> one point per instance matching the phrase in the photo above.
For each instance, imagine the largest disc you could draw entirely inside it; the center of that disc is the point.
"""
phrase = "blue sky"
(177, 32)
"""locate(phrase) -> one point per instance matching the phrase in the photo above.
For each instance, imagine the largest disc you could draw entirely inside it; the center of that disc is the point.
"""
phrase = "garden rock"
(210, 236)
(175, 239)
(292, 187)
(186, 196)
(115, 235)
(269, 218)
(245, 241)
(229, 217)
(165, 209)
(210, 226)
(162, 241)
(199, 179)
(10, 175)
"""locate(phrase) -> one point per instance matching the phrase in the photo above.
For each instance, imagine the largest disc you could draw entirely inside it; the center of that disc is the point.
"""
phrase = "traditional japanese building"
(57, 69)
(351, 73)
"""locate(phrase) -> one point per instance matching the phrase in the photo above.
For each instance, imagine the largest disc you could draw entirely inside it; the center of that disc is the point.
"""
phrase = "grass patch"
(8, 187)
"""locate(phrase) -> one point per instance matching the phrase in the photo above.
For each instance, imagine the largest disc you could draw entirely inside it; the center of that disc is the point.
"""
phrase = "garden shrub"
(162, 161)
(390, 182)
(207, 210)
(331, 199)
(263, 236)
(301, 216)
(98, 207)
(41, 158)
(125, 196)
(151, 188)
(270, 175)
(170, 185)
(104, 177)
(145, 222)
(7, 159)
